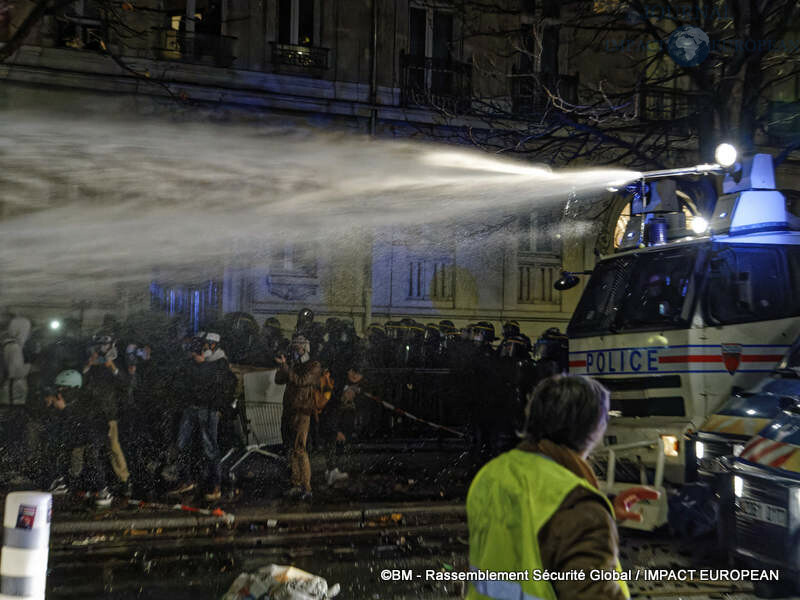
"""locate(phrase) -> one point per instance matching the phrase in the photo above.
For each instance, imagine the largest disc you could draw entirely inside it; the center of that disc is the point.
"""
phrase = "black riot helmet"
(511, 329)
(376, 335)
(448, 329)
(552, 345)
(332, 324)
(272, 323)
(483, 333)
(516, 346)
(346, 332)
(433, 335)
(376, 331)
(395, 329)
(304, 319)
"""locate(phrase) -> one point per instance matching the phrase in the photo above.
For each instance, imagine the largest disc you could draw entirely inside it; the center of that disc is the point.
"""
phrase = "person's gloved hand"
(627, 498)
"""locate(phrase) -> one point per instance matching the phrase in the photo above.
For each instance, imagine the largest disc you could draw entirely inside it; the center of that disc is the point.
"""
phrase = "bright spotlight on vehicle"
(725, 155)
(670, 445)
(699, 225)
(699, 450)
(55, 324)
(738, 486)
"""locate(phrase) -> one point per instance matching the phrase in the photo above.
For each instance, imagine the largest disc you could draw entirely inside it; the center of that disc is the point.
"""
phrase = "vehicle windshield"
(638, 292)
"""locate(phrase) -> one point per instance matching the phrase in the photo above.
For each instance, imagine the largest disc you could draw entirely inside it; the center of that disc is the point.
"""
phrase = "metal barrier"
(658, 479)
(263, 409)
(654, 512)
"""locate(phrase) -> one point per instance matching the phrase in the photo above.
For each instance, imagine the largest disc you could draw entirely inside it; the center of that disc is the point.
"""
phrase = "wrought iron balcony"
(78, 31)
(193, 47)
(299, 59)
(531, 92)
(441, 83)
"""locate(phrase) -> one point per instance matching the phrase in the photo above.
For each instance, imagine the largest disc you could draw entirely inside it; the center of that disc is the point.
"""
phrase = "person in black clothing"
(516, 375)
(67, 425)
(223, 399)
(339, 421)
(484, 418)
(100, 390)
(206, 386)
(138, 414)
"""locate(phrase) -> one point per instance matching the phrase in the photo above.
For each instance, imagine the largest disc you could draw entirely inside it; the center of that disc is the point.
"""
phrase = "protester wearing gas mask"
(300, 376)
(201, 415)
(101, 387)
(221, 399)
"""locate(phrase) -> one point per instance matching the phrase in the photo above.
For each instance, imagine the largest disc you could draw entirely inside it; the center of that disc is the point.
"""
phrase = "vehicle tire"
(773, 589)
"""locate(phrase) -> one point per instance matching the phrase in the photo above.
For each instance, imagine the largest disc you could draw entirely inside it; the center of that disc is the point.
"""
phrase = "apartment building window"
(416, 279)
(430, 280)
(431, 38)
(296, 260)
(296, 50)
(539, 234)
(293, 274)
(535, 285)
(296, 22)
(79, 26)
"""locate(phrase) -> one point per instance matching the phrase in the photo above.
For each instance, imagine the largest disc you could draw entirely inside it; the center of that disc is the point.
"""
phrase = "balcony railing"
(681, 108)
(532, 93)
(299, 59)
(78, 31)
(440, 83)
(193, 47)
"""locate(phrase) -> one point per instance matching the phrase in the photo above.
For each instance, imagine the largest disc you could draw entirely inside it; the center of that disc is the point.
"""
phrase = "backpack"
(323, 392)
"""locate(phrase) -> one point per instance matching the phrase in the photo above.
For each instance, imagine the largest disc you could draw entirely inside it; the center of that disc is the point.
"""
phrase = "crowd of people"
(152, 419)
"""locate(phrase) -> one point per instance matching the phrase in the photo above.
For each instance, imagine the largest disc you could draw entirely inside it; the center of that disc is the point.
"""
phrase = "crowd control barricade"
(262, 408)
(654, 512)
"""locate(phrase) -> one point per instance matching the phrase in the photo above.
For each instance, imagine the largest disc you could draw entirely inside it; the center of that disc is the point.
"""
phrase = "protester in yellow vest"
(537, 510)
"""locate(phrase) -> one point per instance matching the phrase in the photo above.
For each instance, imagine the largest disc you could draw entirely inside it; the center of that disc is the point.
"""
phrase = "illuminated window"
(622, 225)
(296, 22)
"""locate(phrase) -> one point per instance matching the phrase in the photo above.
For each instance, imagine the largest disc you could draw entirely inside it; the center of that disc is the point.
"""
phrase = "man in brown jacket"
(298, 405)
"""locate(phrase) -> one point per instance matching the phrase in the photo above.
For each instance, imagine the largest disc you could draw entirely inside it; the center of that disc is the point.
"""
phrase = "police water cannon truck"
(678, 318)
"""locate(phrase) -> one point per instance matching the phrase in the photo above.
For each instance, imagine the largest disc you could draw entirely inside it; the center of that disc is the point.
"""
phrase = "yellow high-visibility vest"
(509, 501)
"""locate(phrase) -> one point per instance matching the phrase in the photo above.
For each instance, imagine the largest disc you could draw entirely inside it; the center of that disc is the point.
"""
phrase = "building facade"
(449, 71)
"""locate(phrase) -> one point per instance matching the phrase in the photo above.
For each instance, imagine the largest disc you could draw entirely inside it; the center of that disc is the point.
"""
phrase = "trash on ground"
(279, 582)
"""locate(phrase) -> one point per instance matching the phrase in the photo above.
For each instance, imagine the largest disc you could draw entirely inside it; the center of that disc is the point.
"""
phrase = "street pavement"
(384, 517)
